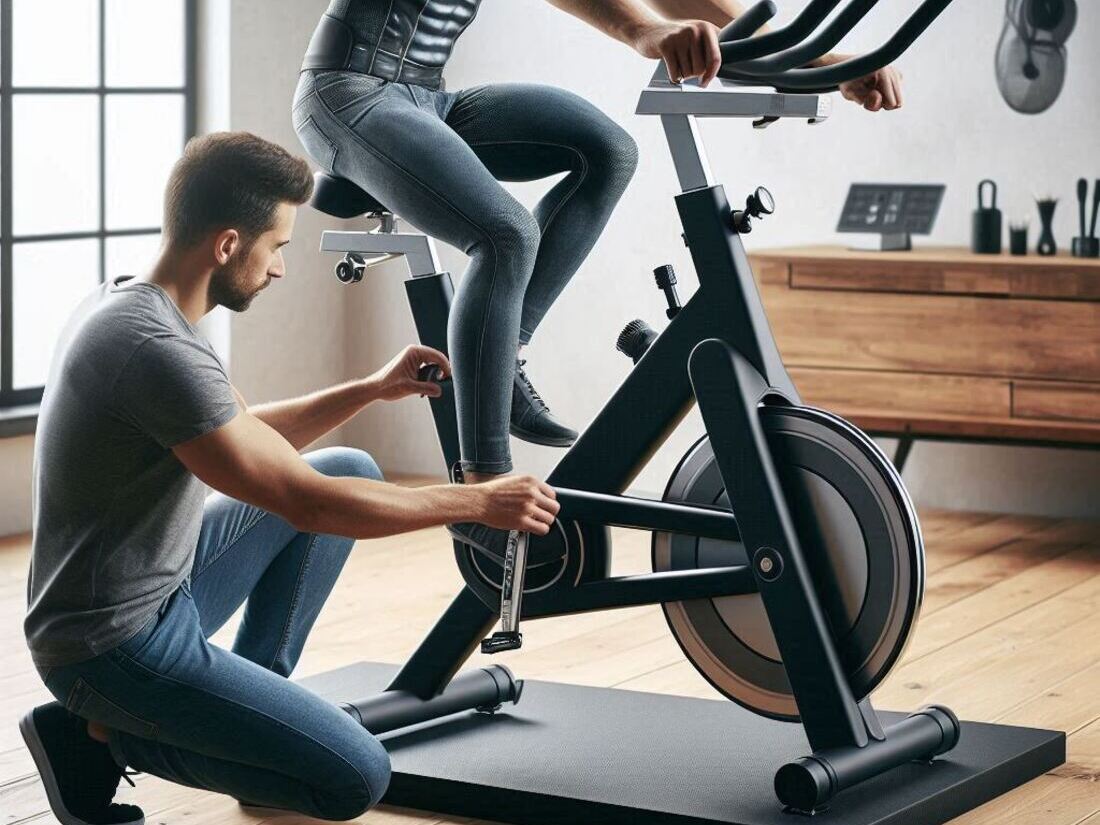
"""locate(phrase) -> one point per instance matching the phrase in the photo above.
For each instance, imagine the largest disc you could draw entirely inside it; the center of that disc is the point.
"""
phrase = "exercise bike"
(787, 555)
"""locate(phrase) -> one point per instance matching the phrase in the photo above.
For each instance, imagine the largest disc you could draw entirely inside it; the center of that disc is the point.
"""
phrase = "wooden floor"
(1010, 633)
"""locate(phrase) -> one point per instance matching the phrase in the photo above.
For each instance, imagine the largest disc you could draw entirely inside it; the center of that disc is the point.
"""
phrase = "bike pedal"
(501, 641)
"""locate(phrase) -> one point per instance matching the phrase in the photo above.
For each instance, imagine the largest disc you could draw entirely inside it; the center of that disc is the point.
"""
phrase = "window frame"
(19, 407)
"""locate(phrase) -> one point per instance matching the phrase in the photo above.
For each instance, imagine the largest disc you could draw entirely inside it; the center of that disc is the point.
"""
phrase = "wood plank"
(944, 549)
(1065, 280)
(936, 334)
(920, 278)
(960, 426)
(986, 673)
(1048, 800)
(1017, 556)
(1062, 706)
(1075, 402)
(914, 392)
(991, 594)
(941, 255)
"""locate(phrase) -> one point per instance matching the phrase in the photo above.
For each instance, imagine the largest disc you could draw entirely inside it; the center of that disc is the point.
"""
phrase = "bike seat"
(341, 198)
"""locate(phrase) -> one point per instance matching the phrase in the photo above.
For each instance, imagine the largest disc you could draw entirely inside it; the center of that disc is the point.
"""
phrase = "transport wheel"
(859, 535)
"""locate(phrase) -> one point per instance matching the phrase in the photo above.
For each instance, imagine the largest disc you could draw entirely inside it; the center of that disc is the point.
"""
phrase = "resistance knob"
(635, 339)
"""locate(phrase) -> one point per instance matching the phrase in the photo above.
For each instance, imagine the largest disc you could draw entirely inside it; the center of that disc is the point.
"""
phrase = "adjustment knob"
(345, 272)
(757, 205)
(760, 202)
(635, 339)
(665, 276)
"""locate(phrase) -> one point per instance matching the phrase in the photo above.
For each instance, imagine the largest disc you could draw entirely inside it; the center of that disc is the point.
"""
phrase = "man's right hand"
(516, 503)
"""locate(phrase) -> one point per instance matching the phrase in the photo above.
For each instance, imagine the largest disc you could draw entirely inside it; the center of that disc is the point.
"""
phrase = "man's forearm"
(365, 509)
(303, 420)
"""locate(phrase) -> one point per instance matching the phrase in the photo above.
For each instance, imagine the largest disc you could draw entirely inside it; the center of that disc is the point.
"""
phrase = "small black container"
(985, 236)
(1086, 248)
(1017, 239)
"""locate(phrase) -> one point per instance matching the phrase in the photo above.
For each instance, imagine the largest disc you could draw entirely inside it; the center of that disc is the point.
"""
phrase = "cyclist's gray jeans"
(436, 158)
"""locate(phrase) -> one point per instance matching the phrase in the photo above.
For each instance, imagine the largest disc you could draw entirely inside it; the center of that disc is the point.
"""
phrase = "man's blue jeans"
(193, 713)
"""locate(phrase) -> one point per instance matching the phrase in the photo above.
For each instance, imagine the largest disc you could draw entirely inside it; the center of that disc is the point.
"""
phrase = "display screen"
(888, 208)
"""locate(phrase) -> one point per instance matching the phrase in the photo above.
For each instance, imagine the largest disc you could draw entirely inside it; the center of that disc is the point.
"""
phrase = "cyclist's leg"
(378, 135)
(524, 131)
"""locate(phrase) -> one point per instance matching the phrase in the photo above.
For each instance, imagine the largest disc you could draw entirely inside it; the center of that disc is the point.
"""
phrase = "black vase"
(1046, 245)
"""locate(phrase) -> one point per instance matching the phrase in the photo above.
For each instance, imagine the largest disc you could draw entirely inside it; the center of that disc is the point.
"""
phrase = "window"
(97, 98)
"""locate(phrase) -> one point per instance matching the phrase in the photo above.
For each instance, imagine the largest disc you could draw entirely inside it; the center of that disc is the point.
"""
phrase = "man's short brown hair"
(231, 180)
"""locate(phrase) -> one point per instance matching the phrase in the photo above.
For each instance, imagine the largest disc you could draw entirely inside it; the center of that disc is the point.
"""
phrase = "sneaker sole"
(532, 438)
(49, 781)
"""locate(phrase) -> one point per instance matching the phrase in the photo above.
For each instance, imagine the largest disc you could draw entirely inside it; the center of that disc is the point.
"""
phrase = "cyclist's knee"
(617, 154)
(514, 237)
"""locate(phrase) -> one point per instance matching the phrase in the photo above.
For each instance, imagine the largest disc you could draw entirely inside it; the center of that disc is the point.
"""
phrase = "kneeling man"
(134, 567)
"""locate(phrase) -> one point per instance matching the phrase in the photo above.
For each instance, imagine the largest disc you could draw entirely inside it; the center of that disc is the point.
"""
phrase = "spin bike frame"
(718, 351)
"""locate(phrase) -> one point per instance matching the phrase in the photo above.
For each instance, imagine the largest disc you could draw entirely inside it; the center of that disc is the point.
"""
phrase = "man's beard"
(227, 288)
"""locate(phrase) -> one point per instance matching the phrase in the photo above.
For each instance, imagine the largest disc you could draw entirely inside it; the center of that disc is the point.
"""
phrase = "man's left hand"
(400, 378)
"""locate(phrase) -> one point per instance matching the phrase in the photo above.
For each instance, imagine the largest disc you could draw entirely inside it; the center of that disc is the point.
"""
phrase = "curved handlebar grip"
(743, 26)
(769, 43)
(824, 78)
(803, 53)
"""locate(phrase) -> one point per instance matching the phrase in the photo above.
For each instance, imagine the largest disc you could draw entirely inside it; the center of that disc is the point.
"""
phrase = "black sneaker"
(79, 773)
(531, 419)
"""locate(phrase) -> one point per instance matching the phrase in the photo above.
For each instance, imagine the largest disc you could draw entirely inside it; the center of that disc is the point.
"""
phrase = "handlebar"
(743, 26)
(777, 70)
(735, 50)
(814, 48)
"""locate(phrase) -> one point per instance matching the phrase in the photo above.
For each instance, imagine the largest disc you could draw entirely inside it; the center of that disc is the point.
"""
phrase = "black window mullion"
(191, 69)
(6, 277)
(102, 140)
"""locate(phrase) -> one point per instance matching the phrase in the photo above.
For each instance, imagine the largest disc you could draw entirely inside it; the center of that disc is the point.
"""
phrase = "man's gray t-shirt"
(116, 515)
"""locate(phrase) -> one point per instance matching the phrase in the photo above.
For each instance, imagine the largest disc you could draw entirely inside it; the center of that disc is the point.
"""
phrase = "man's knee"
(344, 462)
(371, 766)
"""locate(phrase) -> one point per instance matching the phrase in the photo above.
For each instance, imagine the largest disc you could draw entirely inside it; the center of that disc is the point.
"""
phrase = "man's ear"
(226, 244)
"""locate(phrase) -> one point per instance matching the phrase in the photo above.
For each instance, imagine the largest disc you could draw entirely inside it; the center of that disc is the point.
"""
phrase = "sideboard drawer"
(1076, 402)
(921, 393)
(872, 276)
(992, 337)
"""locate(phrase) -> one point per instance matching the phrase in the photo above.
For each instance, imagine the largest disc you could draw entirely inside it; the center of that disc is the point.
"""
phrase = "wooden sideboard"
(941, 343)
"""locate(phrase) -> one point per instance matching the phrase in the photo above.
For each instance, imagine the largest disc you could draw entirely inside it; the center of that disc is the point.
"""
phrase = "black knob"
(760, 202)
(757, 205)
(665, 276)
(635, 339)
(345, 272)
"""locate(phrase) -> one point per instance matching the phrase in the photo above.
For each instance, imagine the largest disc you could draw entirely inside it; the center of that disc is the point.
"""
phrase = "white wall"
(292, 339)
(953, 129)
